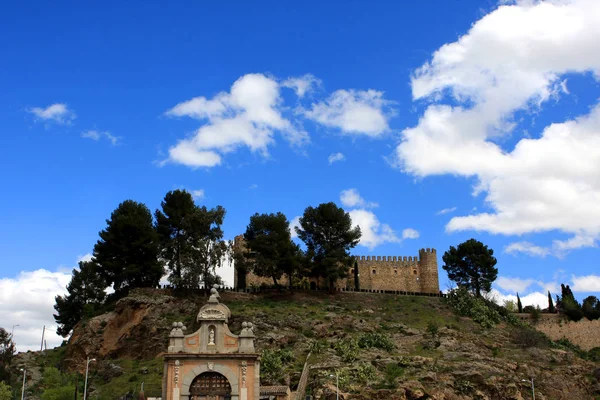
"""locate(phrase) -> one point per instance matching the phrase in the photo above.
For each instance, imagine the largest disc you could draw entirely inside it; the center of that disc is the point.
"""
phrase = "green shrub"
(484, 312)
(528, 337)
(5, 392)
(272, 364)
(316, 346)
(432, 328)
(377, 340)
(347, 349)
(365, 373)
(392, 372)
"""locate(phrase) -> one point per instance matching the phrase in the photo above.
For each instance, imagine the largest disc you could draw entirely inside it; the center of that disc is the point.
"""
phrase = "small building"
(275, 393)
(213, 363)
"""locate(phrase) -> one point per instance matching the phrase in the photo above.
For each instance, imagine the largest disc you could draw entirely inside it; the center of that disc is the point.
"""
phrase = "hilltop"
(382, 346)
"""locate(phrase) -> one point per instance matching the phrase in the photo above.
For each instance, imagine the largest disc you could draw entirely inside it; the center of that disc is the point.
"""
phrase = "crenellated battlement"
(387, 258)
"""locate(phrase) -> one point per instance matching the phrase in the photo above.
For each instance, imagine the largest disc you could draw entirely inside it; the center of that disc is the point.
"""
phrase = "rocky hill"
(381, 346)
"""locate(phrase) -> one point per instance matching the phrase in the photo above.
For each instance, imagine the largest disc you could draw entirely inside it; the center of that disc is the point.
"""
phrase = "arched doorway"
(210, 386)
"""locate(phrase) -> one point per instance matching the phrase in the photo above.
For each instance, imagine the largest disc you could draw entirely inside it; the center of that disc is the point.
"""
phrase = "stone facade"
(409, 274)
(212, 363)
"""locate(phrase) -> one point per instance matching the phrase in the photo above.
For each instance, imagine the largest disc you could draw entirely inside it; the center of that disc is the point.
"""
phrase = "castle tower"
(429, 271)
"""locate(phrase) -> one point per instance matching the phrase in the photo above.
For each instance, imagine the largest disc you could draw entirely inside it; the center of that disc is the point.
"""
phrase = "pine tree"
(328, 233)
(86, 293)
(7, 353)
(471, 265)
(128, 249)
(270, 247)
(551, 308)
(519, 305)
(177, 233)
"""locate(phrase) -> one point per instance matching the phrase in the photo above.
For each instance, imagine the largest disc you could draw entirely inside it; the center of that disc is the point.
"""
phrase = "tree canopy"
(269, 247)
(471, 265)
(329, 235)
(86, 293)
(7, 352)
(591, 307)
(127, 251)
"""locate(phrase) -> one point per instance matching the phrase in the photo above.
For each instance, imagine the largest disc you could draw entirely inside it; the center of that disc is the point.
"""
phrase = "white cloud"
(198, 194)
(526, 248)
(293, 224)
(532, 299)
(28, 300)
(511, 60)
(254, 186)
(97, 135)
(374, 233)
(353, 112)
(514, 285)
(302, 84)
(558, 249)
(351, 198)
(335, 157)
(446, 211)
(247, 116)
(58, 113)
(410, 233)
(589, 283)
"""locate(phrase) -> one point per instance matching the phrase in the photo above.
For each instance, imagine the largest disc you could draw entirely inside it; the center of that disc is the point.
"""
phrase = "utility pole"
(87, 366)
(23, 388)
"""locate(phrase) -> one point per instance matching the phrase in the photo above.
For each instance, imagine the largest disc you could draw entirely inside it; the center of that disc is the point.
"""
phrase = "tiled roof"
(274, 390)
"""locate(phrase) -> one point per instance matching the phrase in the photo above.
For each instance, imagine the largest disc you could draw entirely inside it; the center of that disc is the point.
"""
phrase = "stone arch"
(200, 369)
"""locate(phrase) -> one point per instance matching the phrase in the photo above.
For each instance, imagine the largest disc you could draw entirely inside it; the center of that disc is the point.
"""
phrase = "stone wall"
(410, 274)
(584, 333)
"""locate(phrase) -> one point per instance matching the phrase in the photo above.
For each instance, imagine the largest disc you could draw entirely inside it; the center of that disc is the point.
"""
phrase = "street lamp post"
(532, 386)
(12, 333)
(337, 385)
(23, 388)
(87, 367)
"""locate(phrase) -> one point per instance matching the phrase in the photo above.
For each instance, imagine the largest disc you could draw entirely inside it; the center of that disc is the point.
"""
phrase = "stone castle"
(417, 274)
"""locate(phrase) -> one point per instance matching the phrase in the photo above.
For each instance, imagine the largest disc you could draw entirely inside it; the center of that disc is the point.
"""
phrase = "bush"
(347, 349)
(391, 374)
(365, 373)
(5, 392)
(272, 363)
(377, 340)
(484, 312)
(535, 315)
(528, 337)
(316, 346)
(433, 328)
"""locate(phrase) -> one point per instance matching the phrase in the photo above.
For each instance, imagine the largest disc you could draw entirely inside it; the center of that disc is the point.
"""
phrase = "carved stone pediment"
(212, 314)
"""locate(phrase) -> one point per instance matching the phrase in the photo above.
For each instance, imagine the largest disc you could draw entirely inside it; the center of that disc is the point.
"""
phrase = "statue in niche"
(211, 336)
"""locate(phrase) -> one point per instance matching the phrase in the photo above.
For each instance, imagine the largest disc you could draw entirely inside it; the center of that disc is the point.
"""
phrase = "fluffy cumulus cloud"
(335, 157)
(586, 284)
(532, 299)
(351, 198)
(248, 116)
(353, 112)
(27, 300)
(58, 113)
(374, 232)
(97, 135)
(526, 248)
(514, 59)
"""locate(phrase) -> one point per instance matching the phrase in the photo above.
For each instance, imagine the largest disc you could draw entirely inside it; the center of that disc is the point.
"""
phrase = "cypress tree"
(356, 277)
(519, 305)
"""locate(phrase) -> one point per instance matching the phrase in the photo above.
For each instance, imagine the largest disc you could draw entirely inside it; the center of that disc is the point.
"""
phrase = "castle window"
(415, 271)
(374, 272)
(352, 270)
(395, 272)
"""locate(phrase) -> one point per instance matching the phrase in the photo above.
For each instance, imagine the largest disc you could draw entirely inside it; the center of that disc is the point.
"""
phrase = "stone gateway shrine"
(212, 363)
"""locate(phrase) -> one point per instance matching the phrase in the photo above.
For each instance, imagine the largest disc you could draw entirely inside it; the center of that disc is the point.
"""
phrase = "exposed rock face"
(460, 361)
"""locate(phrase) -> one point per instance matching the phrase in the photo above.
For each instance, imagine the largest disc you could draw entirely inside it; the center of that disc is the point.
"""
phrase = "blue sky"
(432, 123)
